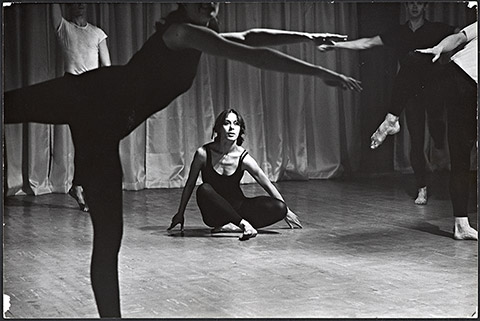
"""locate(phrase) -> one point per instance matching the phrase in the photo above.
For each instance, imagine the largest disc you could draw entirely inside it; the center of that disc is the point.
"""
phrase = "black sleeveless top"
(228, 186)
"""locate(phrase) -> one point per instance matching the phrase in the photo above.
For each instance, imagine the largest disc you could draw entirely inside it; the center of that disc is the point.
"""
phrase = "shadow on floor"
(432, 229)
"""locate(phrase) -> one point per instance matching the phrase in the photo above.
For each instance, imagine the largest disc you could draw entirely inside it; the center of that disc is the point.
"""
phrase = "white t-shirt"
(80, 46)
(466, 58)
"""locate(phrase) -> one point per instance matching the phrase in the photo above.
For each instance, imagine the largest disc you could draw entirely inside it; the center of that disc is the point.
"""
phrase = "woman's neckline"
(224, 154)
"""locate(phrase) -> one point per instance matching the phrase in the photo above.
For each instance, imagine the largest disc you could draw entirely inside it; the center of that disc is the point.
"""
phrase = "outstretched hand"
(436, 52)
(345, 82)
(178, 218)
(292, 220)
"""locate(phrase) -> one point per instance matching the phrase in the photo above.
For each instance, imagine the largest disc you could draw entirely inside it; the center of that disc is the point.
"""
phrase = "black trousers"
(462, 134)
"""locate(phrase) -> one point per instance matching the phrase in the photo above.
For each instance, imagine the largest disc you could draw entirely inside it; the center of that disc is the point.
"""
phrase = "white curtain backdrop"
(297, 127)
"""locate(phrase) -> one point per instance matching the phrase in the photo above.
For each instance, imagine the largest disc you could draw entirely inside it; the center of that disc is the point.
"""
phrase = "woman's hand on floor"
(178, 218)
(292, 220)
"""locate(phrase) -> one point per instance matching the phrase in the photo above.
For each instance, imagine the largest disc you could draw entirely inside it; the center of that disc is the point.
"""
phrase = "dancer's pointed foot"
(422, 196)
(390, 126)
(463, 231)
(248, 231)
(78, 194)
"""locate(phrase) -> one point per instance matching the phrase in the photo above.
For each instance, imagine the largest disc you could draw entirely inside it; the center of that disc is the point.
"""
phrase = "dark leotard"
(222, 201)
(102, 106)
(227, 186)
(116, 99)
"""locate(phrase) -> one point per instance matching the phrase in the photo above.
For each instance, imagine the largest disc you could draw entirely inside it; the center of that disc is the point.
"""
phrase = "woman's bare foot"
(463, 231)
(248, 231)
(230, 227)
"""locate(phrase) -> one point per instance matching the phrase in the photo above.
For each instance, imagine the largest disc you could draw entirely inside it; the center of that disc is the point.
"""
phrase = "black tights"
(259, 211)
(462, 133)
(45, 103)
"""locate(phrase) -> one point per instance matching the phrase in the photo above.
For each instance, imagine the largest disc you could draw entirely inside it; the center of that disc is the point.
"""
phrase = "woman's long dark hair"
(180, 15)
(221, 120)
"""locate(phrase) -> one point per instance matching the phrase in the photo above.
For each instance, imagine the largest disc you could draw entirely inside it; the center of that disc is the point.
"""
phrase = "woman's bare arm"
(182, 36)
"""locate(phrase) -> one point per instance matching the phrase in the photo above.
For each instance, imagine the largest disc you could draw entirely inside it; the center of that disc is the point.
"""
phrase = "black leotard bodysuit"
(158, 75)
(228, 186)
(112, 100)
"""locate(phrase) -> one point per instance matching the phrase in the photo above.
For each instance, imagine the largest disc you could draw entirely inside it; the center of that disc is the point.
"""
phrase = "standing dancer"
(414, 87)
(220, 198)
(462, 120)
(84, 47)
(107, 104)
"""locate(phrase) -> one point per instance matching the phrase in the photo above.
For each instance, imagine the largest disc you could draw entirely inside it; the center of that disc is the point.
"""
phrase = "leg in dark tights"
(45, 103)
(215, 209)
(39, 103)
(435, 97)
(103, 187)
(406, 85)
(461, 136)
(259, 211)
(415, 116)
(80, 167)
(263, 211)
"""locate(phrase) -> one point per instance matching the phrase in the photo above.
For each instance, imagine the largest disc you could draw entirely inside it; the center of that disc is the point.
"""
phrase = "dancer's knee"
(204, 189)
(277, 207)
(281, 208)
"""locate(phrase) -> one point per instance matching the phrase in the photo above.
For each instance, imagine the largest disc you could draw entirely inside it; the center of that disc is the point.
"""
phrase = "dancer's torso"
(125, 96)
(228, 186)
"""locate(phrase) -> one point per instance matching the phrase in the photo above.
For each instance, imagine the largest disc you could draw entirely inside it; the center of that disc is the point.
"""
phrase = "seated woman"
(220, 198)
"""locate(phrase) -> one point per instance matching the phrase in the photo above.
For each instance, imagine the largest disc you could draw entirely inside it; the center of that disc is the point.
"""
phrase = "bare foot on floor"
(463, 231)
(422, 196)
(230, 227)
(248, 231)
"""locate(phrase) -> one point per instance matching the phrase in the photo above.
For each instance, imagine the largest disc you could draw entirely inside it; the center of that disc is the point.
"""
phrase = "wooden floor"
(365, 251)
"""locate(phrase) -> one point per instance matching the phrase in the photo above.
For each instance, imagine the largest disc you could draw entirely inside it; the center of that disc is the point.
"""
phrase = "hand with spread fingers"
(292, 220)
(345, 82)
(435, 51)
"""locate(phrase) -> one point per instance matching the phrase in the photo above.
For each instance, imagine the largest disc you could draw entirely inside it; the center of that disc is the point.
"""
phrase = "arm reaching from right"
(447, 44)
